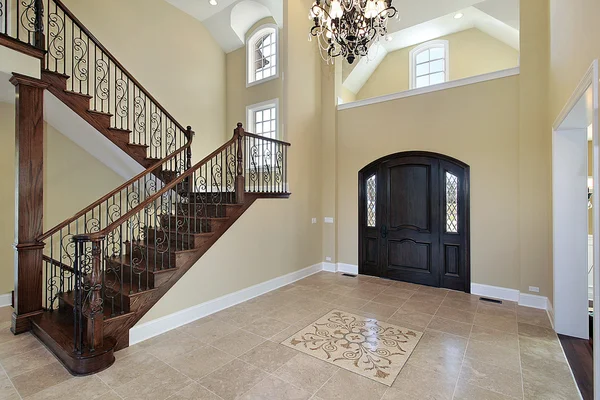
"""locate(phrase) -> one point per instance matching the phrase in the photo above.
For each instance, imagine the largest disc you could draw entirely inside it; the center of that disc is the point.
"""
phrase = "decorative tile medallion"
(366, 346)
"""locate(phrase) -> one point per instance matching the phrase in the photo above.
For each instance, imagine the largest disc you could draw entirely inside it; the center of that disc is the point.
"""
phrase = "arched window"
(429, 64)
(262, 55)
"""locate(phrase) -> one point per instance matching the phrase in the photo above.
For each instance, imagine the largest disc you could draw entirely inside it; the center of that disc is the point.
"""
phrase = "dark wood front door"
(414, 220)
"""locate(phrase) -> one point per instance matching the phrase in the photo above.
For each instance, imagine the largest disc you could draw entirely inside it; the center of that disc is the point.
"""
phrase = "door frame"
(362, 175)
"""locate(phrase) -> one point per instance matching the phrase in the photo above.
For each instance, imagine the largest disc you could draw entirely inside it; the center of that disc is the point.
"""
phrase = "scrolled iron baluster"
(122, 101)
(56, 46)
(102, 89)
(80, 51)
(156, 139)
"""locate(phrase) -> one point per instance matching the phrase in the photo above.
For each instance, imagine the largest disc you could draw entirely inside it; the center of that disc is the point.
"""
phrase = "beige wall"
(172, 55)
(72, 180)
(477, 124)
(238, 95)
(274, 237)
(471, 52)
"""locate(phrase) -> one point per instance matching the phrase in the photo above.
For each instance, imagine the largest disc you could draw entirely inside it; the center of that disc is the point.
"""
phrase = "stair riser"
(149, 279)
(188, 224)
(208, 210)
(153, 258)
(179, 241)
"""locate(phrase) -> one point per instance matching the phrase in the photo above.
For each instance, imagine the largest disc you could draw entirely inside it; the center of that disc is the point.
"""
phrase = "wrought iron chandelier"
(348, 28)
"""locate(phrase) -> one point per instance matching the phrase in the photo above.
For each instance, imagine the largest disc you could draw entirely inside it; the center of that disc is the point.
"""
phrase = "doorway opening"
(414, 220)
(576, 229)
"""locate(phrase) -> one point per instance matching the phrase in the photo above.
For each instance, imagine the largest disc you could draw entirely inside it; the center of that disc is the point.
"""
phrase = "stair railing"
(151, 236)
(59, 251)
(22, 20)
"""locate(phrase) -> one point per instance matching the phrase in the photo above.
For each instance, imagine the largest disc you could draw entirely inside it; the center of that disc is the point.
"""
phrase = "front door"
(414, 220)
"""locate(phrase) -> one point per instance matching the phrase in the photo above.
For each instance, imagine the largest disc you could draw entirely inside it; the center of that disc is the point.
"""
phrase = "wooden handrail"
(104, 232)
(112, 193)
(266, 139)
(57, 263)
(99, 45)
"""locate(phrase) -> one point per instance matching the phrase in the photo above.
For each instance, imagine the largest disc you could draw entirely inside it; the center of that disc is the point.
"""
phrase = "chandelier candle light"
(348, 28)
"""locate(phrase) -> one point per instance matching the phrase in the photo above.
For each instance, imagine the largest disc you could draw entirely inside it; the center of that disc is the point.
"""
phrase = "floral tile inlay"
(366, 346)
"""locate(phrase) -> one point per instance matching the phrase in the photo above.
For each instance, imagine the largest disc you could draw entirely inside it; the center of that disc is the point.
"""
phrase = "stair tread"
(128, 131)
(69, 298)
(100, 113)
(151, 247)
(78, 94)
(178, 232)
(145, 146)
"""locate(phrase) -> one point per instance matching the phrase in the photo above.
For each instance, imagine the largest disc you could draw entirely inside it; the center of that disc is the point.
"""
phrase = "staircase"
(106, 266)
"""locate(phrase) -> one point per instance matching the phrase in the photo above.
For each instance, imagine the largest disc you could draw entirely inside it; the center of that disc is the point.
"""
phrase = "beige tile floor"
(469, 350)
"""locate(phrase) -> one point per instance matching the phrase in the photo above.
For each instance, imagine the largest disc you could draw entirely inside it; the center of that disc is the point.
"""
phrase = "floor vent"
(350, 275)
(490, 300)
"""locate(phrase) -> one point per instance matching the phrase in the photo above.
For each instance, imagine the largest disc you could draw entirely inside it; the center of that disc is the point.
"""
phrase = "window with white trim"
(262, 120)
(429, 64)
(262, 55)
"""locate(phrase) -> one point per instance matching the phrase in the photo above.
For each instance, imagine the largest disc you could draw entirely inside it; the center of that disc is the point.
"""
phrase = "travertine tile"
(389, 300)
(455, 314)
(548, 379)
(238, 342)
(412, 320)
(306, 372)
(466, 391)
(493, 378)
(159, 384)
(464, 305)
(194, 392)
(398, 292)
(209, 331)
(201, 362)
(88, 387)
(26, 362)
(268, 356)
(128, 368)
(266, 327)
(289, 314)
(233, 379)
(274, 388)
(5, 334)
(345, 302)
(419, 306)
(41, 378)
(170, 350)
(345, 385)
(7, 390)
(6, 314)
(433, 291)
(380, 311)
(365, 346)
(449, 326)
(501, 356)
(494, 336)
(22, 344)
(421, 384)
(533, 316)
(499, 311)
(496, 322)
(536, 332)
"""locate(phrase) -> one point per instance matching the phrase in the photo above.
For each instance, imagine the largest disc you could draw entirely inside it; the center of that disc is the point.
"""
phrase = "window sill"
(264, 80)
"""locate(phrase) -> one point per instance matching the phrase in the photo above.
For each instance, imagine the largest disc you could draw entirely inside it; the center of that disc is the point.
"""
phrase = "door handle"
(384, 231)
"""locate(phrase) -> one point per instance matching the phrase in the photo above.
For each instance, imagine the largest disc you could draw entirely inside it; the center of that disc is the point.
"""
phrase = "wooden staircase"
(106, 266)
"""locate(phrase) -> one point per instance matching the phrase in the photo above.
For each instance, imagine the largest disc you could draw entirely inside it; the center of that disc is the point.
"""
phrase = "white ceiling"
(229, 20)
(431, 19)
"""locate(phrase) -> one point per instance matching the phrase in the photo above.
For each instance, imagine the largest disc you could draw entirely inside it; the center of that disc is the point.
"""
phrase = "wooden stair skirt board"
(80, 104)
(55, 328)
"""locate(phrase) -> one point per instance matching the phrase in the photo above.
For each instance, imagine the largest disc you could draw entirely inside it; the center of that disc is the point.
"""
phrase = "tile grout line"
(464, 356)
(107, 385)
(11, 382)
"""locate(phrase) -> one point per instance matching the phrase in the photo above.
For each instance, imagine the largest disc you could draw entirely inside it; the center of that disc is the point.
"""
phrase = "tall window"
(263, 120)
(262, 55)
(429, 64)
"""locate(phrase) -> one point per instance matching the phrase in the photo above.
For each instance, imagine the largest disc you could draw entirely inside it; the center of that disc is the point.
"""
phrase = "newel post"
(88, 311)
(240, 179)
(29, 200)
(39, 25)
(188, 151)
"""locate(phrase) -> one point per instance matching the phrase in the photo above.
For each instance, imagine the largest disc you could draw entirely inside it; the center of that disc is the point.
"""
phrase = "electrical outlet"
(327, 258)
(314, 220)
(328, 220)
(534, 289)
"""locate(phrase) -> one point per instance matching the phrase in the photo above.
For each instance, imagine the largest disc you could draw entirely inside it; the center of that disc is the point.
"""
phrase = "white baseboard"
(329, 267)
(5, 300)
(347, 268)
(495, 292)
(164, 324)
(524, 299)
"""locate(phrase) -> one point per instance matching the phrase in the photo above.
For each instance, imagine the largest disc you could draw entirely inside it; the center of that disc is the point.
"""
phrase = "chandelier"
(347, 28)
